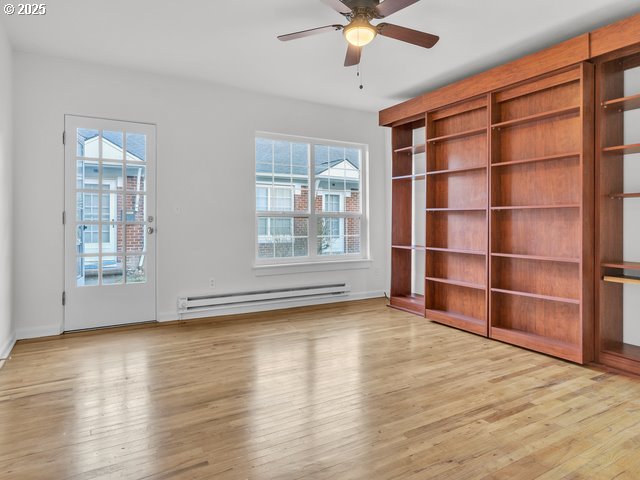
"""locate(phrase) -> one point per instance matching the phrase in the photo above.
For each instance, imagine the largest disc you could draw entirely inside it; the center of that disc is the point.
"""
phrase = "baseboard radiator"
(258, 297)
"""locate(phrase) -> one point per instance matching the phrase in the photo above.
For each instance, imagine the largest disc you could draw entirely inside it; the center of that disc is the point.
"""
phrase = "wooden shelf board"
(413, 149)
(457, 283)
(621, 279)
(455, 250)
(473, 209)
(622, 265)
(625, 350)
(538, 343)
(538, 116)
(408, 247)
(537, 257)
(535, 295)
(624, 195)
(409, 303)
(457, 170)
(454, 136)
(623, 149)
(457, 320)
(538, 159)
(536, 207)
(417, 176)
(624, 103)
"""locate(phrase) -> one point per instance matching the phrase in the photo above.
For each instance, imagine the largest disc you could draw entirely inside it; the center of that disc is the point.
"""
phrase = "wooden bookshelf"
(617, 209)
(540, 274)
(457, 201)
(408, 211)
(525, 238)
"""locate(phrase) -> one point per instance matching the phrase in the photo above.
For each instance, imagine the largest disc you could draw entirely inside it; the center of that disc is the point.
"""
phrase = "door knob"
(150, 230)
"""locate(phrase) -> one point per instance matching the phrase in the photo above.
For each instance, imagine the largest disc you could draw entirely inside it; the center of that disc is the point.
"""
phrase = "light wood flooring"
(347, 391)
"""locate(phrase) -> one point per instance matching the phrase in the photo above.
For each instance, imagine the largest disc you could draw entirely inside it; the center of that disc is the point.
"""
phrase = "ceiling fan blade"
(353, 56)
(388, 7)
(307, 33)
(338, 6)
(408, 35)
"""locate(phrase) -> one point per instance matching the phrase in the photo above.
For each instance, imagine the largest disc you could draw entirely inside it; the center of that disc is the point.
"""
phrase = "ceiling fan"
(359, 32)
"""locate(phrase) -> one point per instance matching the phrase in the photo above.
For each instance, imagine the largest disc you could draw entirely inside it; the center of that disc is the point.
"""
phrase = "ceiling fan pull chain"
(360, 77)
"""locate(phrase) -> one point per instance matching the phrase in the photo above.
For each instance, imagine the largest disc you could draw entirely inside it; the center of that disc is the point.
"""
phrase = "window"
(309, 199)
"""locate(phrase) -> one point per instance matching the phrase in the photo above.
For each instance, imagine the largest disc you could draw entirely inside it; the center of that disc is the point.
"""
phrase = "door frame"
(65, 217)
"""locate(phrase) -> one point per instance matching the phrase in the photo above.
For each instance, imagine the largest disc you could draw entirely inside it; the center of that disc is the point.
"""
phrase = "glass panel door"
(109, 235)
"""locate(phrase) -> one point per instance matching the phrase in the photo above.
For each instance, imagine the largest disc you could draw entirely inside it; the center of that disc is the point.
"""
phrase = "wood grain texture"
(615, 36)
(348, 391)
(562, 55)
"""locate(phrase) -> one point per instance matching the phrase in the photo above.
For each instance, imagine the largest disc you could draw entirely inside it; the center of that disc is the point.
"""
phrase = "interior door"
(110, 247)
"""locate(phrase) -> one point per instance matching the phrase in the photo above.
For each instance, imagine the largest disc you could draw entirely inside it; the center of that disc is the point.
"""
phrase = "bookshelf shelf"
(573, 110)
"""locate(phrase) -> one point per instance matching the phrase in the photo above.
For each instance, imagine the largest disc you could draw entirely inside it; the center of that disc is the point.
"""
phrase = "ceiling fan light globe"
(360, 35)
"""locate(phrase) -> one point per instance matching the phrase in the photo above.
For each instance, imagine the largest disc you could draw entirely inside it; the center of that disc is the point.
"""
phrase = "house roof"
(136, 143)
(291, 158)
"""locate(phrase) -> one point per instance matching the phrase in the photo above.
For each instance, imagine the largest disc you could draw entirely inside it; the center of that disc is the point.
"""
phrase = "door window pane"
(87, 271)
(135, 206)
(136, 147)
(112, 270)
(136, 271)
(112, 145)
(136, 238)
(87, 143)
(112, 238)
(87, 175)
(136, 178)
(112, 178)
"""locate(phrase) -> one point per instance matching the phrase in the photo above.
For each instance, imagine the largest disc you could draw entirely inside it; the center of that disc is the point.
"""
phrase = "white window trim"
(313, 258)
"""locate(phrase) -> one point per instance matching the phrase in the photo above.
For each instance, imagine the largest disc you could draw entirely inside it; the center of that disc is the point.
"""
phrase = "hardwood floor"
(347, 391)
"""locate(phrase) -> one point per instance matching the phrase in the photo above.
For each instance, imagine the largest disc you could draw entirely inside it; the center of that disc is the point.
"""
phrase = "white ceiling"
(234, 42)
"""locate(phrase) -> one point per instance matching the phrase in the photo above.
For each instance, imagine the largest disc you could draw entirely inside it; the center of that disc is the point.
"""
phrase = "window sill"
(326, 266)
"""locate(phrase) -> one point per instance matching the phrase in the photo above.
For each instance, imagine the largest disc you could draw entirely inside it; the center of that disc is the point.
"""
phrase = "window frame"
(311, 215)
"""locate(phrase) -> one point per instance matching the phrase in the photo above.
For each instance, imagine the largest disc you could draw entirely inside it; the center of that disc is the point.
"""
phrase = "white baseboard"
(7, 346)
(263, 307)
(37, 332)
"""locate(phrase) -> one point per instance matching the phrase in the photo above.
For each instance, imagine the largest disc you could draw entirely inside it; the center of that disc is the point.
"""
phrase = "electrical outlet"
(212, 283)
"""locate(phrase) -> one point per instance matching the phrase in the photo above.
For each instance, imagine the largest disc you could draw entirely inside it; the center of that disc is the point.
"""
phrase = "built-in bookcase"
(408, 217)
(456, 213)
(618, 201)
(541, 210)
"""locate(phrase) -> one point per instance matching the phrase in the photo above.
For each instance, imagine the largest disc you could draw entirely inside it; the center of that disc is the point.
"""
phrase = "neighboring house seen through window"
(309, 200)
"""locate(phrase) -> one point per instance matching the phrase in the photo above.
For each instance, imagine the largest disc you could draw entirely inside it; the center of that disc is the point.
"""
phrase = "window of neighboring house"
(309, 199)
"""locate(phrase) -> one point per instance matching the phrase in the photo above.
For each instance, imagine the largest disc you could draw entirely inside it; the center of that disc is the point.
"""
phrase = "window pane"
(282, 168)
(87, 175)
(87, 239)
(262, 199)
(353, 233)
(112, 238)
(136, 178)
(331, 236)
(282, 237)
(135, 207)
(112, 178)
(136, 270)
(87, 143)
(136, 147)
(112, 270)
(338, 171)
(87, 207)
(136, 238)
(87, 271)
(112, 144)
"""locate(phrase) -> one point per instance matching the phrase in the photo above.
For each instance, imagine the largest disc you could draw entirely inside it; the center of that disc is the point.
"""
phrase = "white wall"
(6, 196)
(205, 159)
(632, 211)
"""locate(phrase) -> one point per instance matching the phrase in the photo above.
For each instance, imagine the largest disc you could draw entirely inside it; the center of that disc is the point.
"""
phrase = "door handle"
(150, 230)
